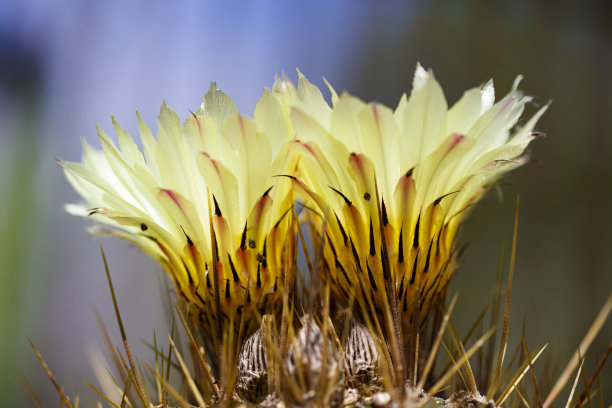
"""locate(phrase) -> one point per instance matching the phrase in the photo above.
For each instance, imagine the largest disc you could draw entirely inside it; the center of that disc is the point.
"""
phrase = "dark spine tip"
(216, 246)
(339, 266)
(439, 199)
(426, 268)
(286, 175)
(200, 298)
(409, 173)
(217, 209)
(331, 245)
(265, 194)
(233, 268)
(385, 217)
(188, 273)
(415, 242)
(346, 200)
(386, 272)
(344, 237)
(243, 239)
(259, 275)
(372, 242)
(372, 281)
(400, 246)
(414, 268)
(189, 241)
(356, 255)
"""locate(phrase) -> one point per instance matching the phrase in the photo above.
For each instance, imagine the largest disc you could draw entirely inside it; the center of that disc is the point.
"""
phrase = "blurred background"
(66, 65)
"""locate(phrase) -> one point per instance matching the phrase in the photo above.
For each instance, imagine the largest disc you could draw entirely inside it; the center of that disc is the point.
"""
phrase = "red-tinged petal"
(183, 212)
(404, 198)
(224, 186)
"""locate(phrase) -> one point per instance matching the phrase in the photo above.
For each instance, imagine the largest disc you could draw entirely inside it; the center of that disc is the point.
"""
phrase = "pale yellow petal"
(344, 124)
(217, 105)
(202, 134)
(271, 121)
(223, 185)
(422, 116)
(381, 142)
(149, 145)
(129, 150)
(249, 155)
(312, 102)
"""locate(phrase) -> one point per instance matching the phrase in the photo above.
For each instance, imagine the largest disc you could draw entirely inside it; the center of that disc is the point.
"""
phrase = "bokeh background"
(66, 65)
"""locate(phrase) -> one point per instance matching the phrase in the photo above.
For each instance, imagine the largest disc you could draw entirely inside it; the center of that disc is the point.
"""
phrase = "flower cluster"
(394, 185)
(219, 199)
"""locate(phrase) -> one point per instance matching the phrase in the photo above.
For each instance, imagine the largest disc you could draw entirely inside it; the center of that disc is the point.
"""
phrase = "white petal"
(420, 77)
(488, 97)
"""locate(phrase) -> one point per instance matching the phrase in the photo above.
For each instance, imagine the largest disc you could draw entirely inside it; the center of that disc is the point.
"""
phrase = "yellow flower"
(391, 187)
(160, 199)
(384, 193)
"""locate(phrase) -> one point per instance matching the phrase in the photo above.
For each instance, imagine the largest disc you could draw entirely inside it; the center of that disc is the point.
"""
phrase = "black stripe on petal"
(356, 256)
(233, 268)
(217, 209)
(372, 242)
(400, 246)
(385, 217)
(243, 239)
(344, 237)
(372, 281)
(414, 268)
(415, 242)
(428, 257)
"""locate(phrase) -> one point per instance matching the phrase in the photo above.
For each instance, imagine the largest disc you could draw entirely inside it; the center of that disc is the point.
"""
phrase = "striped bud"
(314, 368)
(361, 356)
(252, 376)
